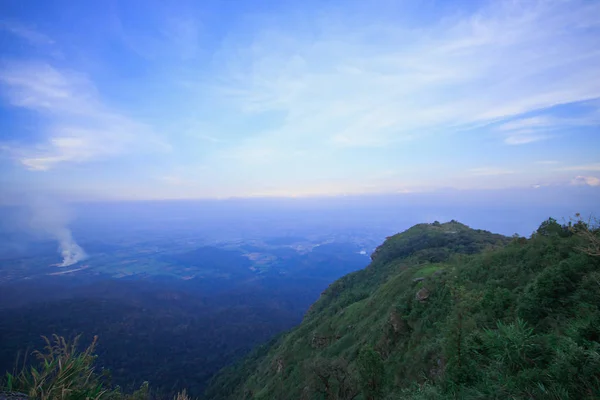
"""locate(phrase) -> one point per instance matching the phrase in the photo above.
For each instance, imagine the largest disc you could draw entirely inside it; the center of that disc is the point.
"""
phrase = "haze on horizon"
(152, 100)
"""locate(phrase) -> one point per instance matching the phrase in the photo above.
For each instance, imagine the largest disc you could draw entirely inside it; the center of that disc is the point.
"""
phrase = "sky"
(216, 99)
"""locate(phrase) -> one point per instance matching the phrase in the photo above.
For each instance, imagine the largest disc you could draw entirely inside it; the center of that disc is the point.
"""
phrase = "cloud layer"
(375, 85)
(331, 99)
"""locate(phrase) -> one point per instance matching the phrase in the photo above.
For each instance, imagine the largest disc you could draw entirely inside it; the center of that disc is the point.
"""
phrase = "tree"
(371, 372)
(333, 379)
(590, 233)
(552, 228)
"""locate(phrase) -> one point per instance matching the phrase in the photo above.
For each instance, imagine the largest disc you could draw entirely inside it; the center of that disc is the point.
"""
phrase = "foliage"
(590, 232)
(65, 373)
(182, 396)
(445, 311)
(372, 373)
(332, 379)
(131, 317)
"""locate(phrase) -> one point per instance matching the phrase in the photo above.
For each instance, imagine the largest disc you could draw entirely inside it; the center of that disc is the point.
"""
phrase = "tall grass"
(65, 373)
(62, 373)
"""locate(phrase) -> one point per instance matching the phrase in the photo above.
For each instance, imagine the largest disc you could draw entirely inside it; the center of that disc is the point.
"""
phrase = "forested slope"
(444, 311)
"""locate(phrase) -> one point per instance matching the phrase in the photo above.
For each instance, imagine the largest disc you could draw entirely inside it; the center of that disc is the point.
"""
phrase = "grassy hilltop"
(444, 311)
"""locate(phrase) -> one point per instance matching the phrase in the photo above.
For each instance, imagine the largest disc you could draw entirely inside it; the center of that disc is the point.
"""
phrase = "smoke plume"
(50, 220)
(69, 249)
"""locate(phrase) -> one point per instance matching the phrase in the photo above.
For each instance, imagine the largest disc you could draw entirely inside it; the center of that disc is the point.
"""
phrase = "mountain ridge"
(429, 317)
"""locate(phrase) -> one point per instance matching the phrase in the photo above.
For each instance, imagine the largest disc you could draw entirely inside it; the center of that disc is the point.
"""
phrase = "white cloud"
(524, 138)
(335, 86)
(586, 181)
(80, 127)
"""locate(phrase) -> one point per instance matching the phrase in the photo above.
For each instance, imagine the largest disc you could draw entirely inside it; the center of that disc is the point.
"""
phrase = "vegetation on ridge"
(444, 311)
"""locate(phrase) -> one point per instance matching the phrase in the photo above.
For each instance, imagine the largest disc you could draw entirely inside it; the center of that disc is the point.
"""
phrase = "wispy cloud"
(524, 137)
(547, 162)
(527, 130)
(542, 127)
(26, 33)
(308, 99)
(587, 167)
(80, 126)
(336, 87)
(172, 34)
(490, 171)
(527, 123)
(183, 33)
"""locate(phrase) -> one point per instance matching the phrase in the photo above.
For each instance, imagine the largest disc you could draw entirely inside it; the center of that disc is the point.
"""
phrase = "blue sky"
(154, 100)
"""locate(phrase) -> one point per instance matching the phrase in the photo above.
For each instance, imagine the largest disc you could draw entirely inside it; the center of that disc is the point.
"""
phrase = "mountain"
(444, 311)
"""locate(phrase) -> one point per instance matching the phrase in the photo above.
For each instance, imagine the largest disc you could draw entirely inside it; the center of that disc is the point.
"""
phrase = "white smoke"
(50, 219)
(69, 249)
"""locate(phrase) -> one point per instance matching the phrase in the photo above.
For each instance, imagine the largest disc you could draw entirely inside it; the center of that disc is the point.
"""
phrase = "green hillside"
(444, 311)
